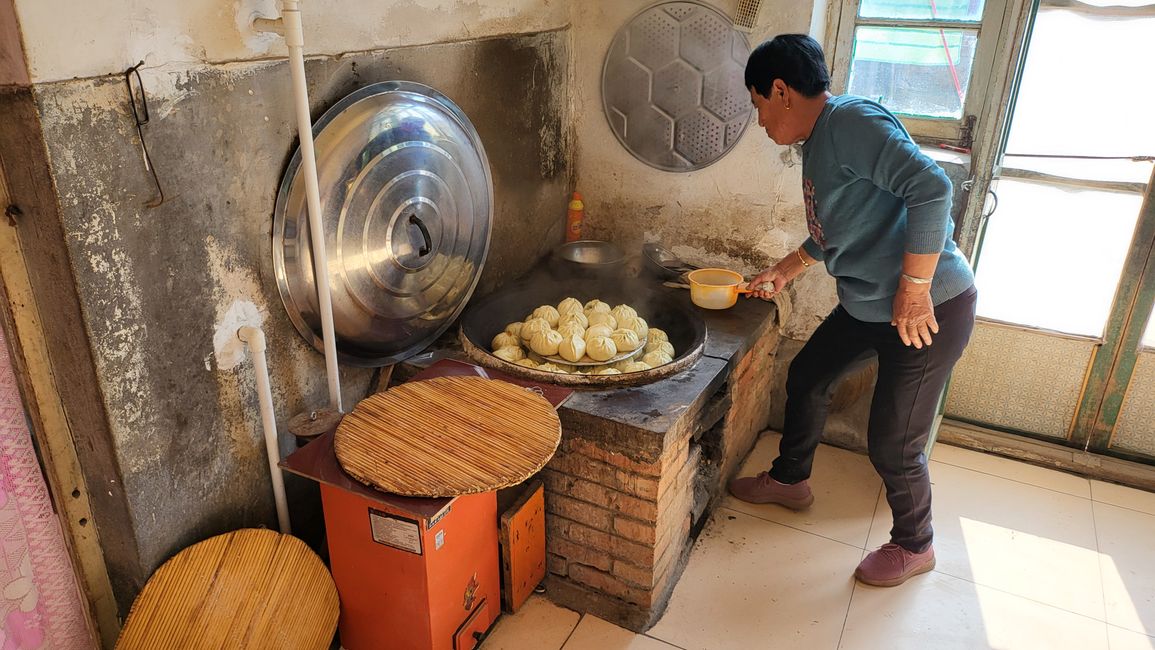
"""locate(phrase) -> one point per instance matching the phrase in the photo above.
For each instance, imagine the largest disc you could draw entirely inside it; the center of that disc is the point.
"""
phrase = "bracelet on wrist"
(913, 280)
(805, 264)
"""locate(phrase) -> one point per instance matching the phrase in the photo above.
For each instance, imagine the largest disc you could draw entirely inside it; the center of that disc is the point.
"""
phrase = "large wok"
(488, 316)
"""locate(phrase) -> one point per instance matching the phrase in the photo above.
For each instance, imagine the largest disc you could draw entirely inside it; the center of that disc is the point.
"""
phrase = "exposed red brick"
(579, 511)
(587, 555)
(636, 531)
(556, 564)
(591, 450)
(617, 547)
(598, 472)
(599, 495)
(672, 520)
(676, 464)
(633, 575)
(606, 583)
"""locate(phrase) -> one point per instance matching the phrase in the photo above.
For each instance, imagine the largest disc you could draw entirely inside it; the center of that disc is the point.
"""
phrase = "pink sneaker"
(892, 565)
(763, 489)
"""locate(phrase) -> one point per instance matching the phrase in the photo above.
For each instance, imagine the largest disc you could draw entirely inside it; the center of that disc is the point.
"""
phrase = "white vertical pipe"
(295, 40)
(256, 340)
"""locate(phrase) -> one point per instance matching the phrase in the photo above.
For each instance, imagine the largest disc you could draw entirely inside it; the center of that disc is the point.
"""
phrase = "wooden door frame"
(1114, 363)
(52, 359)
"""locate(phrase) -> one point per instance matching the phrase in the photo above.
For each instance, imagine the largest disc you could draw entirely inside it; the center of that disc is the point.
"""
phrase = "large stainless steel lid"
(406, 198)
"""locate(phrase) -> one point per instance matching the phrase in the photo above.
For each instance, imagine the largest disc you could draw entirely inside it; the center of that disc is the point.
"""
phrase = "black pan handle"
(428, 245)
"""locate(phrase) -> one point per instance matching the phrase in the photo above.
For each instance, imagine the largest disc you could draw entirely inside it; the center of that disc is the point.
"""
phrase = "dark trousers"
(905, 403)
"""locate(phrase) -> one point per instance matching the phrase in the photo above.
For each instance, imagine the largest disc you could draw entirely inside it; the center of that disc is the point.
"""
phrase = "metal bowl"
(589, 257)
(664, 264)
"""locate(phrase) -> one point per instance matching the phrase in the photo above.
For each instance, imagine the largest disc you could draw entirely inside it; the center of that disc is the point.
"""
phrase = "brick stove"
(640, 470)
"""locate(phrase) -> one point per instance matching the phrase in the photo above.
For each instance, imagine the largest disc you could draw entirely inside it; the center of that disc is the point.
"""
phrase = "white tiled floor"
(1028, 558)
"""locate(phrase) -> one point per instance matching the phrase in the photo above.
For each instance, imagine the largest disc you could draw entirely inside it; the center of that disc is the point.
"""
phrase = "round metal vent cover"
(673, 87)
(406, 199)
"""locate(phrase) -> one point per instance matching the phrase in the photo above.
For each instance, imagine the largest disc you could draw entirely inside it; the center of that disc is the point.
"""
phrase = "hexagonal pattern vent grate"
(672, 86)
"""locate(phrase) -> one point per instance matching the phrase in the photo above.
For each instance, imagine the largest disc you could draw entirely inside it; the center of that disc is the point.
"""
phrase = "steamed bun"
(533, 326)
(626, 340)
(664, 346)
(635, 366)
(514, 328)
(545, 343)
(548, 312)
(636, 323)
(512, 355)
(576, 317)
(608, 371)
(598, 330)
(656, 358)
(526, 363)
(596, 305)
(621, 365)
(623, 311)
(571, 329)
(572, 348)
(505, 340)
(657, 335)
(569, 306)
(603, 318)
(551, 367)
(601, 348)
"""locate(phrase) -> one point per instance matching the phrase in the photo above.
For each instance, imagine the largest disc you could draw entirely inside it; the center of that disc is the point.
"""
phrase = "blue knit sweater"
(871, 195)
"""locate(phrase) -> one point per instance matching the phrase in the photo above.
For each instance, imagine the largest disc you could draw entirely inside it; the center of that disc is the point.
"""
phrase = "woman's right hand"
(768, 283)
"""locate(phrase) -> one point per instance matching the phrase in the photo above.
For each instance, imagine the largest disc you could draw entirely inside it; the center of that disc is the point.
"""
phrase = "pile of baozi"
(583, 333)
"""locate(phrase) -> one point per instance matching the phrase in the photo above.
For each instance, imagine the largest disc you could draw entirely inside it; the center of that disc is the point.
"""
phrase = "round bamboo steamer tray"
(250, 588)
(448, 436)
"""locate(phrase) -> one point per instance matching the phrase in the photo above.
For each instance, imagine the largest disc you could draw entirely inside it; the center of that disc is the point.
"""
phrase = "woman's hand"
(914, 314)
(768, 282)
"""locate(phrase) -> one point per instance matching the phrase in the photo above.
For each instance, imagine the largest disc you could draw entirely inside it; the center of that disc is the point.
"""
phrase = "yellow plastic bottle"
(574, 217)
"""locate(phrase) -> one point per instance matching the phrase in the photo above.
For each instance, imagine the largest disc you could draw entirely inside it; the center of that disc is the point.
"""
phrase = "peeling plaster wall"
(66, 39)
(743, 212)
(163, 290)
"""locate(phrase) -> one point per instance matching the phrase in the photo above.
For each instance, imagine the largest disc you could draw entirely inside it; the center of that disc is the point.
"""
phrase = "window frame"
(844, 19)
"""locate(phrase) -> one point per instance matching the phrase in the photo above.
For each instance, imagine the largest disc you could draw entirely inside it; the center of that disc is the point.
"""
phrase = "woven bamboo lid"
(448, 436)
(245, 589)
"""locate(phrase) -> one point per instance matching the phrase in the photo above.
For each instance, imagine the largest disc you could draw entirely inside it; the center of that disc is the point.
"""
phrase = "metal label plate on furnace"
(406, 201)
(673, 86)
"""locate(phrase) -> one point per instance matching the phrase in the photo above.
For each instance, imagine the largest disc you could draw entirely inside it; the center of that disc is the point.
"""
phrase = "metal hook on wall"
(140, 115)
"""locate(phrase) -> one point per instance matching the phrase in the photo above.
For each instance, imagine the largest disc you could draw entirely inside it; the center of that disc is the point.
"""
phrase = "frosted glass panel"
(922, 9)
(1052, 256)
(919, 72)
(1052, 116)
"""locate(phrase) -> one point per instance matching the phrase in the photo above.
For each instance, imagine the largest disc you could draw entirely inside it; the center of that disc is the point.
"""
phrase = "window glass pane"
(922, 9)
(918, 72)
(1051, 256)
(1070, 50)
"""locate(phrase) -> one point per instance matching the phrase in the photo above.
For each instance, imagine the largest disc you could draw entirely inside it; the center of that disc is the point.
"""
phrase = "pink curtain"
(40, 603)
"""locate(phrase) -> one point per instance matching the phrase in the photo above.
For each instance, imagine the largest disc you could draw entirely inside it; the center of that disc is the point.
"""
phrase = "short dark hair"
(796, 59)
